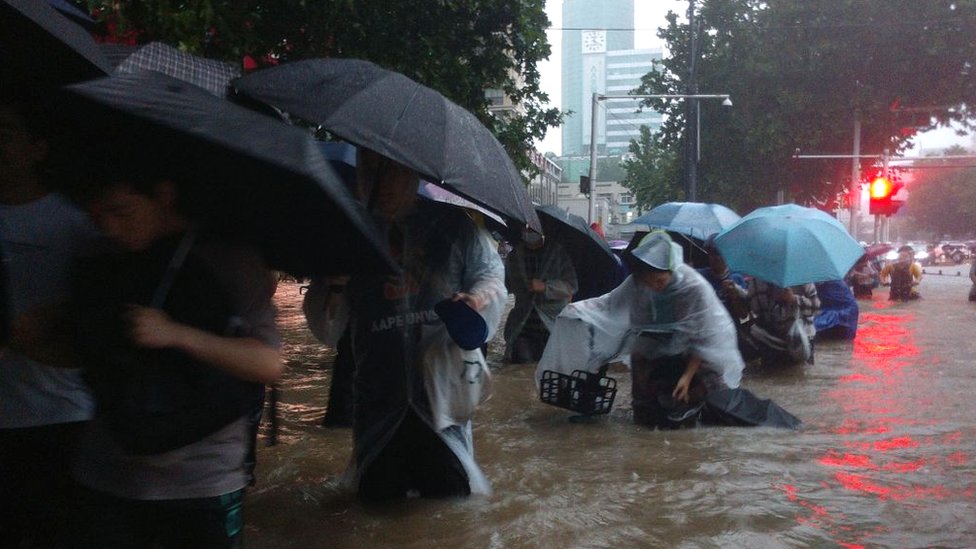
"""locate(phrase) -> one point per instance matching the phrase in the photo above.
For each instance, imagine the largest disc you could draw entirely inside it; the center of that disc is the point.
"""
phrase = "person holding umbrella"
(541, 275)
(783, 328)
(417, 382)
(177, 334)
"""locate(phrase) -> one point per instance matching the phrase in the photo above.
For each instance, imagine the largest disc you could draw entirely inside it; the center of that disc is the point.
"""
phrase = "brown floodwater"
(886, 456)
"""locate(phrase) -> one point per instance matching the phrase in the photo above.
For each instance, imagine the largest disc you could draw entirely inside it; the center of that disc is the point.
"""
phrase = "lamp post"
(597, 97)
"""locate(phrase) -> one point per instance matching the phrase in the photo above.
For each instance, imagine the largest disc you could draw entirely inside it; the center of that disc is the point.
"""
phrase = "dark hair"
(86, 173)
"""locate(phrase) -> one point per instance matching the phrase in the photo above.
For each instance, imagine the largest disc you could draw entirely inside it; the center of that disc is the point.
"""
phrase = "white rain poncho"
(556, 269)
(405, 358)
(591, 333)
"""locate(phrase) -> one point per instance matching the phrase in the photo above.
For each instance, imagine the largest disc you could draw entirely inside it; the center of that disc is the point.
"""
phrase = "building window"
(626, 199)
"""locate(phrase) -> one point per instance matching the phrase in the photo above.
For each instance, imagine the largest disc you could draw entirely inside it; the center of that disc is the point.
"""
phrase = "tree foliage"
(942, 199)
(651, 171)
(798, 71)
(458, 47)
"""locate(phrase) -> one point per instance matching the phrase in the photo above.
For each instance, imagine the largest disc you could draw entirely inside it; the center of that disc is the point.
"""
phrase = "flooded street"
(886, 456)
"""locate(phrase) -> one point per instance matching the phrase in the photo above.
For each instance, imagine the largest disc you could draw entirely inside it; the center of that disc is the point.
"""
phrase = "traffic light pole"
(594, 117)
(856, 175)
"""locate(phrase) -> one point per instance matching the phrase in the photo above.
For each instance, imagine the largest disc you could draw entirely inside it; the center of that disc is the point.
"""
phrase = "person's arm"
(886, 273)
(916, 274)
(684, 382)
(484, 278)
(243, 357)
(562, 283)
(44, 335)
(808, 300)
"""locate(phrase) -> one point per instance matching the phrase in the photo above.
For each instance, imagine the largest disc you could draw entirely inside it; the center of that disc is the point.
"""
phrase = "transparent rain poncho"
(591, 333)
(556, 269)
(405, 358)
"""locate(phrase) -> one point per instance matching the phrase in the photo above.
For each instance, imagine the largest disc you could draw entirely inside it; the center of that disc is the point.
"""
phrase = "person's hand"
(471, 300)
(152, 328)
(729, 289)
(786, 296)
(681, 388)
(537, 286)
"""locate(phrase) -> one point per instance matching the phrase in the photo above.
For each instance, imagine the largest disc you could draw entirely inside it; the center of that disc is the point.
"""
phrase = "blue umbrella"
(695, 219)
(789, 245)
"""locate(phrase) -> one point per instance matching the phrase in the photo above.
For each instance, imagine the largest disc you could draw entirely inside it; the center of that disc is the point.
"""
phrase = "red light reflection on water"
(879, 399)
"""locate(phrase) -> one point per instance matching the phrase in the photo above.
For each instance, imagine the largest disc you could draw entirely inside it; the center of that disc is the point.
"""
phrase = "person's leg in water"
(652, 384)
(531, 341)
(415, 460)
(339, 411)
(111, 522)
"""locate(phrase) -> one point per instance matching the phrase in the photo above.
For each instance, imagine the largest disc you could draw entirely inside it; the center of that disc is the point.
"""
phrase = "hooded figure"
(681, 339)
(541, 275)
(416, 388)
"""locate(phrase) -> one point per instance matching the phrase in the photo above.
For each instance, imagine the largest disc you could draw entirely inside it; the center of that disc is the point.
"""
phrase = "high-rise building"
(599, 56)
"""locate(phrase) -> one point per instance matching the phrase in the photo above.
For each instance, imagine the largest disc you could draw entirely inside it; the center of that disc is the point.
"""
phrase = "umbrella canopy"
(595, 263)
(239, 172)
(438, 194)
(789, 245)
(398, 118)
(40, 47)
(879, 249)
(209, 74)
(696, 219)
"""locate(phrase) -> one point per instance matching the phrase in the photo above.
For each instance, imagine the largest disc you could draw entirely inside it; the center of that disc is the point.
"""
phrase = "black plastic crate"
(582, 392)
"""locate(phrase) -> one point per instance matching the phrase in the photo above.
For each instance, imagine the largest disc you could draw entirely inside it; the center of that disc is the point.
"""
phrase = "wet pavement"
(886, 456)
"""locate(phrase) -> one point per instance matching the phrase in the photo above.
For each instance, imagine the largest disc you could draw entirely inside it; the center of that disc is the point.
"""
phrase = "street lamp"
(597, 97)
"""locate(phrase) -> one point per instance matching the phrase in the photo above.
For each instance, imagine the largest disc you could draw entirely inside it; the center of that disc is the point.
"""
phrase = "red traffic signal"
(881, 192)
(881, 188)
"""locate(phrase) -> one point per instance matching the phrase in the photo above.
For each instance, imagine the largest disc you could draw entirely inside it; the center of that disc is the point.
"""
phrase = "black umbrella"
(596, 265)
(73, 12)
(391, 114)
(39, 46)
(740, 407)
(239, 172)
(209, 74)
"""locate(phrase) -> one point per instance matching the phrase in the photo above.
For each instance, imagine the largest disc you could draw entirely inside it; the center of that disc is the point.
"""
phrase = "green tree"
(797, 73)
(458, 47)
(942, 201)
(652, 172)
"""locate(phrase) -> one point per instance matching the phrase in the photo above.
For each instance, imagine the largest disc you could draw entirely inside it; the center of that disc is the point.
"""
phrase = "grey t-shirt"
(214, 465)
(40, 241)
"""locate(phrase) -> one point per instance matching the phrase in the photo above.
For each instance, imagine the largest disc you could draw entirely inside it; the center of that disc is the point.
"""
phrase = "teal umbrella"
(695, 219)
(789, 245)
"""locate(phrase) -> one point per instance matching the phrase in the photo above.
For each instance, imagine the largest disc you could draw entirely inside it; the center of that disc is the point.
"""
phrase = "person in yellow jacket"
(903, 275)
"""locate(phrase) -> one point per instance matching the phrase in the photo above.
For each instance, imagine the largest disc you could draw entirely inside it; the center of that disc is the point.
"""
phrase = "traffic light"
(584, 184)
(881, 192)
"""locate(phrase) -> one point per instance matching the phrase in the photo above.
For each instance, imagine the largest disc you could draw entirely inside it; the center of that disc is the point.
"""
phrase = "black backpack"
(158, 400)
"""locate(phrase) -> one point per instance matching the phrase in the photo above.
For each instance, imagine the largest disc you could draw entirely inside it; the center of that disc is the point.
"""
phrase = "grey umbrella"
(209, 74)
(595, 263)
(39, 46)
(239, 172)
(401, 119)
